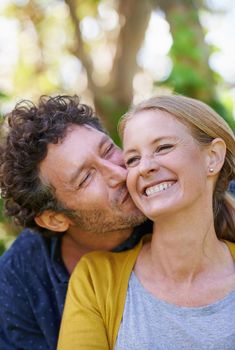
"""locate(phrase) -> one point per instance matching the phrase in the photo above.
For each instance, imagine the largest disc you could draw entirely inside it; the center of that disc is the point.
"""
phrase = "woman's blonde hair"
(205, 125)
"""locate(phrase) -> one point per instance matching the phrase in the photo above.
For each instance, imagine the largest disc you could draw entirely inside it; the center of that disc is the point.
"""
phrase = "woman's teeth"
(160, 187)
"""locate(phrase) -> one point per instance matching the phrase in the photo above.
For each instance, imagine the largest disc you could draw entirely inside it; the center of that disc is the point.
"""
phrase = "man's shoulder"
(31, 293)
(27, 245)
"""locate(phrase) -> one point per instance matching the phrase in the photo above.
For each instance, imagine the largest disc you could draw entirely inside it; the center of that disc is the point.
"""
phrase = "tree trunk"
(112, 101)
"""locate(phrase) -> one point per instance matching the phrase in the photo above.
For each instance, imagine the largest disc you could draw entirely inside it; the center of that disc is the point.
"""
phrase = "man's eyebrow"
(158, 139)
(76, 173)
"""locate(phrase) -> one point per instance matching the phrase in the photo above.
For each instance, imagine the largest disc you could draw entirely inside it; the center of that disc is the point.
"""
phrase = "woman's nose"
(148, 165)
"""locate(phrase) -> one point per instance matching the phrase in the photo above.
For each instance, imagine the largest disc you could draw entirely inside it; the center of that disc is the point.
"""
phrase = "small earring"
(211, 170)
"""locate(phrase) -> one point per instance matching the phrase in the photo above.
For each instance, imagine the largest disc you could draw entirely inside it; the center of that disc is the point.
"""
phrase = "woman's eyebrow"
(158, 139)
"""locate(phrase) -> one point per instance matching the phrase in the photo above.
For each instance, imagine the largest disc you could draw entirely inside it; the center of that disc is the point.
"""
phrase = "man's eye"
(84, 180)
(109, 149)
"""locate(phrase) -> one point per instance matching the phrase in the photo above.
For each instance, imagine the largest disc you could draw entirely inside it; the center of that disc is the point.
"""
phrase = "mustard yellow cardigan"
(96, 299)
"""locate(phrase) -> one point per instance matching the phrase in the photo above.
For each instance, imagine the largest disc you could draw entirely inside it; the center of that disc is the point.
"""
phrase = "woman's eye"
(164, 147)
(132, 161)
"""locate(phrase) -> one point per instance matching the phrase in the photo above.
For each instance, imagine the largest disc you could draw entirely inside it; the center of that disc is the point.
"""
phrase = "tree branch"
(79, 45)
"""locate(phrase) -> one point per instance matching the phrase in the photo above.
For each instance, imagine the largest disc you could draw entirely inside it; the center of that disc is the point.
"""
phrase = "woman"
(175, 290)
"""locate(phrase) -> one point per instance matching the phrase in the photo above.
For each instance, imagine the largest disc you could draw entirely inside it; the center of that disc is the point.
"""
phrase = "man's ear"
(217, 153)
(53, 221)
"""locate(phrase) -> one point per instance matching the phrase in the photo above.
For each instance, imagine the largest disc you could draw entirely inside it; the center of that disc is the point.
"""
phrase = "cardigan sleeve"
(82, 324)
(95, 300)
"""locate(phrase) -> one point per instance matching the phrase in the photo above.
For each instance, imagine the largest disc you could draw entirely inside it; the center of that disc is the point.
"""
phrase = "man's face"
(88, 174)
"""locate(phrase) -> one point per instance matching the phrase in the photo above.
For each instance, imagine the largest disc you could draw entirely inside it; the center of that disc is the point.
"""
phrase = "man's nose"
(114, 174)
(148, 165)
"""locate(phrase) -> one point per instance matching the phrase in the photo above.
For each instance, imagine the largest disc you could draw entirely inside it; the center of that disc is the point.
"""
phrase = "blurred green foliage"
(2, 247)
(191, 74)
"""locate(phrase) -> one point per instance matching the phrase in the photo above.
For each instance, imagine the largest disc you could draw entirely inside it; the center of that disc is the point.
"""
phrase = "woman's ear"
(216, 156)
(53, 221)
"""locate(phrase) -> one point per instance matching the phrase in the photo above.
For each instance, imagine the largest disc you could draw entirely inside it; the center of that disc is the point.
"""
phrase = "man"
(62, 177)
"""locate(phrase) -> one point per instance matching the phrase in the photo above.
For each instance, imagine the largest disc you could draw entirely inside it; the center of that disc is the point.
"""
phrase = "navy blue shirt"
(33, 286)
(232, 187)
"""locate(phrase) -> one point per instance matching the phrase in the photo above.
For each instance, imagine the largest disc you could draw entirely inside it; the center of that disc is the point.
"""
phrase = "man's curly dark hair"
(30, 129)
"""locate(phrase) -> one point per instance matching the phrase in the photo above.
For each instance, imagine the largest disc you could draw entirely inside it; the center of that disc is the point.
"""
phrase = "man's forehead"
(86, 134)
(81, 129)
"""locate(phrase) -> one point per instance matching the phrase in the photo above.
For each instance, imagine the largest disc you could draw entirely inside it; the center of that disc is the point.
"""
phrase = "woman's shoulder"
(103, 260)
(231, 246)
(103, 263)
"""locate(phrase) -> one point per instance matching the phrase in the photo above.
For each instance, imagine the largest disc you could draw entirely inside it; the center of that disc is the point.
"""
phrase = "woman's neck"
(185, 263)
(183, 247)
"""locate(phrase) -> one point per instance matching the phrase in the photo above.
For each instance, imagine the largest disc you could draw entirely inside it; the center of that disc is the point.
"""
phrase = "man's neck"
(75, 245)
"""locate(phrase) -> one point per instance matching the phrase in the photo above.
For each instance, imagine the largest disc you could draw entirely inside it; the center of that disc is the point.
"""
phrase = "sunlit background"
(36, 48)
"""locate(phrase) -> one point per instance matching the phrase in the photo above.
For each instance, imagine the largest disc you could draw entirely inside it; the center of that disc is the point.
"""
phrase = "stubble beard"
(104, 221)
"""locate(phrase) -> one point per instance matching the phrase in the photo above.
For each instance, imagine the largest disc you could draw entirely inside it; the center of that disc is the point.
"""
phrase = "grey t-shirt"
(152, 324)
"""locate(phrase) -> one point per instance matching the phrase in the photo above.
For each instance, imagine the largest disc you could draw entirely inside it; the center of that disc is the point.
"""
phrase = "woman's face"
(167, 169)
